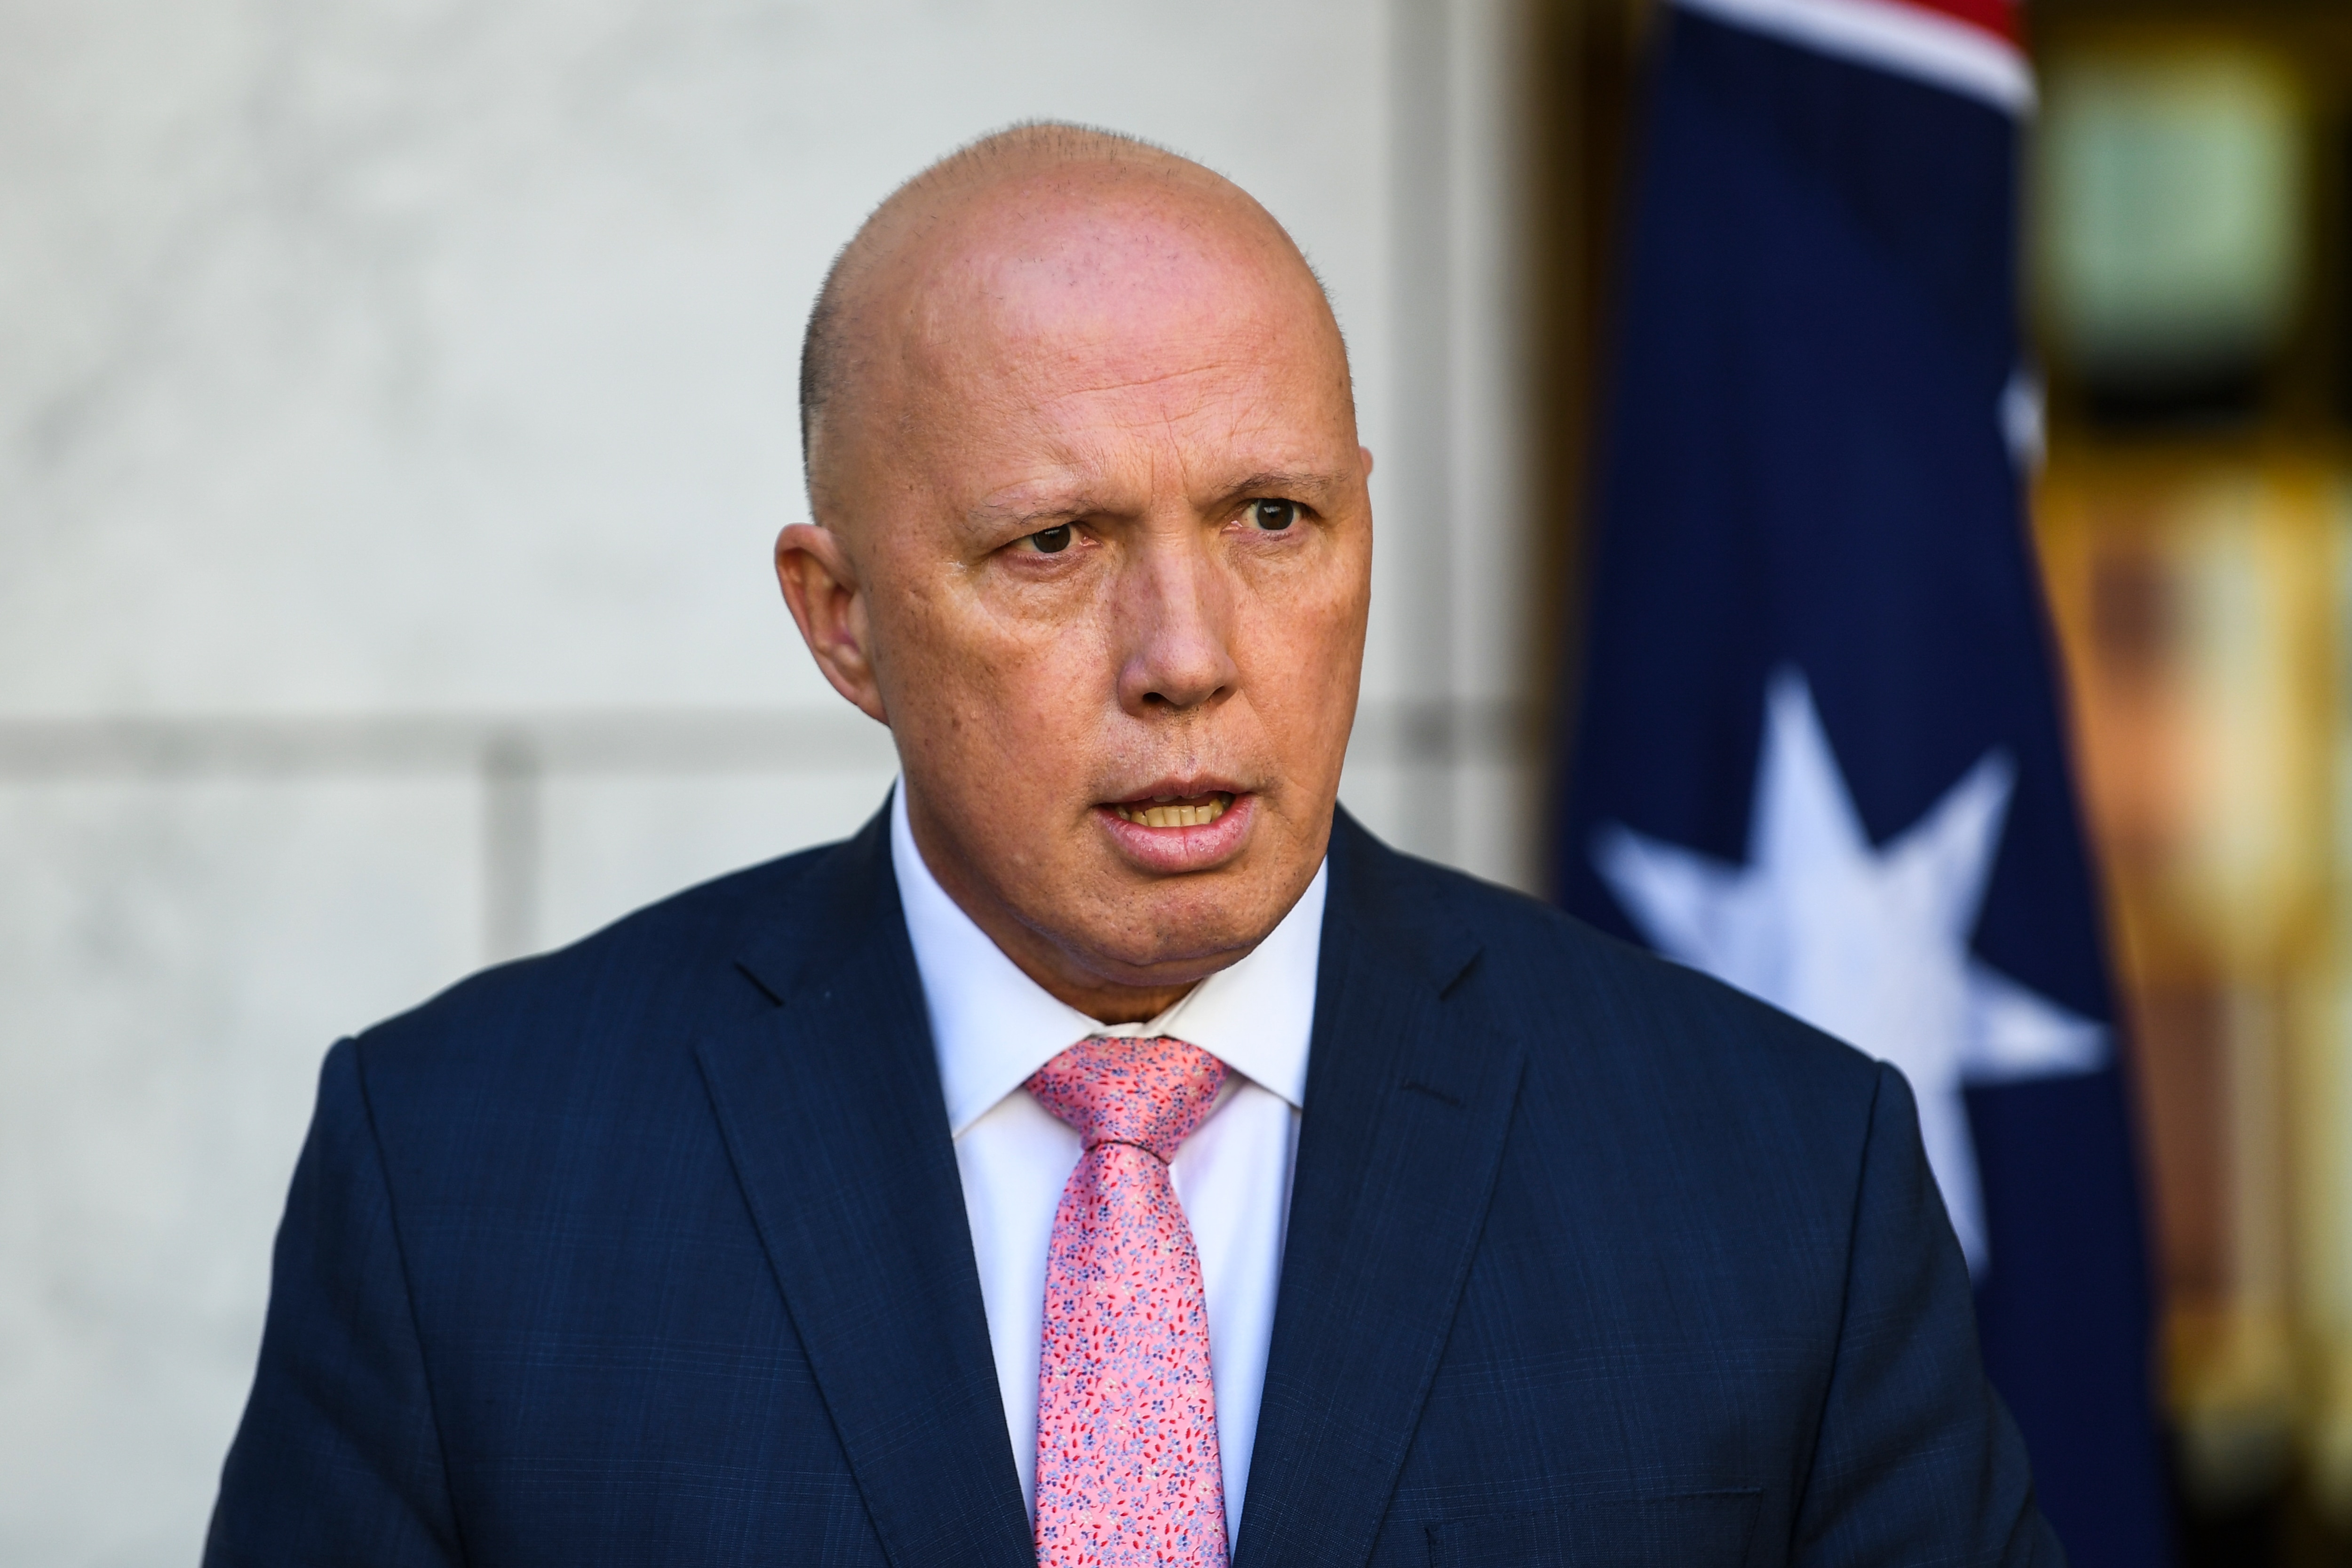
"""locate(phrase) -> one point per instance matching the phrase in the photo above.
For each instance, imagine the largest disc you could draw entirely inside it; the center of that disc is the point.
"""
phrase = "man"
(1112, 1155)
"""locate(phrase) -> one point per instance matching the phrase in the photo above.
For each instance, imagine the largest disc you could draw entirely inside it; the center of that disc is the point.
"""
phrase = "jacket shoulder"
(660, 973)
(1559, 984)
(1660, 1112)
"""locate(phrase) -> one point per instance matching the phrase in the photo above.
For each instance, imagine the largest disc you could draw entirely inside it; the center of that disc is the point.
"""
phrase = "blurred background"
(396, 407)
(2190, 242)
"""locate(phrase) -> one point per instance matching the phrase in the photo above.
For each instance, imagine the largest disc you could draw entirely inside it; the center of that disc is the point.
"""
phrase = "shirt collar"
(993, 1026)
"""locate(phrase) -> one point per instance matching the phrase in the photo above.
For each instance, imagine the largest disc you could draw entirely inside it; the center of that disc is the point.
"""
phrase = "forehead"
(1085, 319)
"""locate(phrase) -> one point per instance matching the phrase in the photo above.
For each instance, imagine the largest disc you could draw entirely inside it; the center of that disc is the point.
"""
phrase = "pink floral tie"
(1128, 1471)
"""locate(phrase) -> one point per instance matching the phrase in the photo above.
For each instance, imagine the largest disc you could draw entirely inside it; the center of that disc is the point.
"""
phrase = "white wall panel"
(616, 843)
(370, 352)
(174, 961)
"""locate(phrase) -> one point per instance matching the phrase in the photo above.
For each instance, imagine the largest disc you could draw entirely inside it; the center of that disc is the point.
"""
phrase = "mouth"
(1174, 811)
(1180, 825)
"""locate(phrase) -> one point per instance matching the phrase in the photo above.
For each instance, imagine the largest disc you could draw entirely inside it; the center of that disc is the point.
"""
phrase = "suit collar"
(831, 1110)
(833, 1113)
(1389, 905)
(1409, 1098)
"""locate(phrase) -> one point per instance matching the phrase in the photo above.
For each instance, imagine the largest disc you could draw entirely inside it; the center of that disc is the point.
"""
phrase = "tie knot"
(1119, 1089)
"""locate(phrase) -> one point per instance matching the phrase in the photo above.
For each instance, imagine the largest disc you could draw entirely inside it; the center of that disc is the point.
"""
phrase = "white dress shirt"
(993, 1026)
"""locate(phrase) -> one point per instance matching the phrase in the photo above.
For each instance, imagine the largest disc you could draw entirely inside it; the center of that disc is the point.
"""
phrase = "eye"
(1052, 540)
(1273, 516)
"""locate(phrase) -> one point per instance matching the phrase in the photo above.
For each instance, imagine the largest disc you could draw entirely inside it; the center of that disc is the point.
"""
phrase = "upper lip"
(1184, 788)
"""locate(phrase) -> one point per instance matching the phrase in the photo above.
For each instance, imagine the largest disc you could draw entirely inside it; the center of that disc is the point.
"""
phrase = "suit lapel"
(1409, 1099)
(831, 1108)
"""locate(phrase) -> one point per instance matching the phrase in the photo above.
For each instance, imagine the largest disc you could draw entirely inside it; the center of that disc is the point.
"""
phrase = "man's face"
(1114, 549)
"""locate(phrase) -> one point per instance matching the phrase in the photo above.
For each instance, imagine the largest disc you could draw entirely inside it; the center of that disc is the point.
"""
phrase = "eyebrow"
(1303, 482)
(1280, 481)
(1077, 504)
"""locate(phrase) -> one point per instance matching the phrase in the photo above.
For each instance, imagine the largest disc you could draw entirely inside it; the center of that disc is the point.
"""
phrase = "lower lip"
(1169, 851)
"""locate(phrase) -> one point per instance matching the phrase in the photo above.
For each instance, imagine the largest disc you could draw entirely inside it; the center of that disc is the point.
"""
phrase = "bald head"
(1041, 188)
(1092, 536)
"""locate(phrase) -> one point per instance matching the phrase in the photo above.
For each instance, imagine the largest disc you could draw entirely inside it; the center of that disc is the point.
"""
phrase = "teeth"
(1157, 816)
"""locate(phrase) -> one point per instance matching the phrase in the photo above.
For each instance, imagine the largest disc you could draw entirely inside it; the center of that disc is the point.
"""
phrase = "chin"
(1172, 933)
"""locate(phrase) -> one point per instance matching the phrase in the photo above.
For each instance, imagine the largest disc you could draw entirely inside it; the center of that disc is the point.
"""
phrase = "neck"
(1112, 1004)
(1057, 972)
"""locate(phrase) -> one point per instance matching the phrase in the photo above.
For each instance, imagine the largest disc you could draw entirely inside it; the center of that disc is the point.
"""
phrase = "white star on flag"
(1868, 945)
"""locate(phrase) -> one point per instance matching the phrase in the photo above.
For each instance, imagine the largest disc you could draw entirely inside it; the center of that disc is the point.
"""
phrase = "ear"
(821, 586)
(1366, 454)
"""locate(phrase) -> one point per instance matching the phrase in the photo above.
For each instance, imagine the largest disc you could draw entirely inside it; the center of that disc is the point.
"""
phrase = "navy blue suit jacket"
(653, 1251)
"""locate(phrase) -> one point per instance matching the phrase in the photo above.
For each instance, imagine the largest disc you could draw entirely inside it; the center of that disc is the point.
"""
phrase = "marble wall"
(396, 410)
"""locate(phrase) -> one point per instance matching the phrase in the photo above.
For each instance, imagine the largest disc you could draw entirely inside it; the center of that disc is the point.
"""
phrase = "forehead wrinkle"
(1120, 481)
(1092, 427)
(1245, 384)
(1068, 480)
(1247, 426)
(1026, 500)
(1135, 384)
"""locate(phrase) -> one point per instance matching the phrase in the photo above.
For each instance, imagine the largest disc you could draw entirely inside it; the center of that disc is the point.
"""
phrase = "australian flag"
(1819, 745)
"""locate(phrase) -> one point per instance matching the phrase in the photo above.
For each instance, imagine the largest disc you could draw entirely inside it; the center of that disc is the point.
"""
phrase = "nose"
(1175, 620)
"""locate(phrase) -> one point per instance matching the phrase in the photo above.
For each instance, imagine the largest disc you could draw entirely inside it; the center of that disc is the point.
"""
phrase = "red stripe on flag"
(1998, 18)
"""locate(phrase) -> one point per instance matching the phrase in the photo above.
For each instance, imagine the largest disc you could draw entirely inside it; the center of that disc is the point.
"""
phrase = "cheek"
(1305, 630)
(970, 679)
